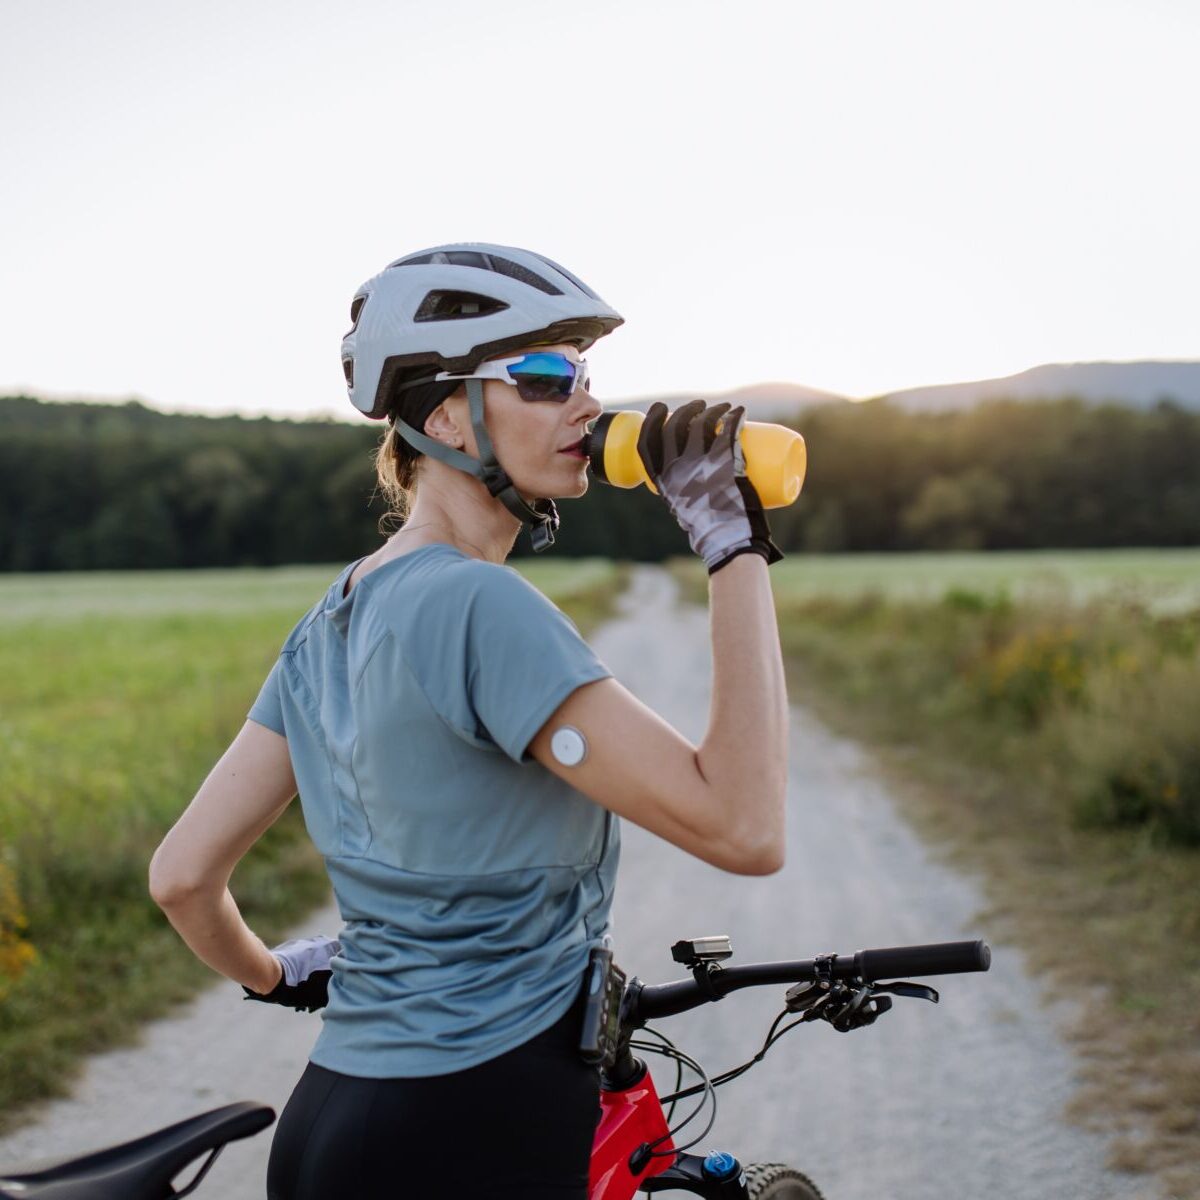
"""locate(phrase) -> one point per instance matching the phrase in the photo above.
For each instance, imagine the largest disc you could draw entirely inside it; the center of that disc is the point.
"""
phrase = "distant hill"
(763, 401)
(1134, 384)
(1138, 385)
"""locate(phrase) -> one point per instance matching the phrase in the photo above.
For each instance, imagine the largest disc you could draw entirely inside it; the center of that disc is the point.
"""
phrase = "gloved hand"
(306, 971)
(701, 474)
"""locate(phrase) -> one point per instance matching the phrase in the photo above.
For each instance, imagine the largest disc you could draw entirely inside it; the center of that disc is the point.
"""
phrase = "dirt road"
(956, 1101)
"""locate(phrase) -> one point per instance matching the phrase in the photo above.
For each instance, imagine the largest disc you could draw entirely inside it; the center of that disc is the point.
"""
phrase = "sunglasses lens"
(543, 377)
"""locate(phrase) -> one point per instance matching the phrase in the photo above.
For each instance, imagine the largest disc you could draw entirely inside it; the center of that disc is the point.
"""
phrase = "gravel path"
(956, 1101)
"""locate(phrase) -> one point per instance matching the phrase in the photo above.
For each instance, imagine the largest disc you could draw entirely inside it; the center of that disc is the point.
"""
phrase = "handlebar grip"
(944, 958)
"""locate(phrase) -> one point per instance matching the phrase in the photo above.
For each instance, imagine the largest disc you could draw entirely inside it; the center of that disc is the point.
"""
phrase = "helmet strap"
(541, 517)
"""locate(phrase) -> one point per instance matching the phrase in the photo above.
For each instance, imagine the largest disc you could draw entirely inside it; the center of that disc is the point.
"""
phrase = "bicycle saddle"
(142, 1169)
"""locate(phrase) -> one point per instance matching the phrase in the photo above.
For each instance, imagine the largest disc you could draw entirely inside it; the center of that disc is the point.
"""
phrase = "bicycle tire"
(774, 1181)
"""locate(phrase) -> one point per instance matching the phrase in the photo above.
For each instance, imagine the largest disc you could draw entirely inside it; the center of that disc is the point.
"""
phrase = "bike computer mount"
(848, 1005)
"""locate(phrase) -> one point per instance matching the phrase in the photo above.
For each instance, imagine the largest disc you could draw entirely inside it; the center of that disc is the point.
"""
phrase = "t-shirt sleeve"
(525, 657)
(268, 708)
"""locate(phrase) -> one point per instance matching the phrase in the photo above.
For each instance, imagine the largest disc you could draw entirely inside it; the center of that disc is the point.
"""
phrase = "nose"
(589, 409)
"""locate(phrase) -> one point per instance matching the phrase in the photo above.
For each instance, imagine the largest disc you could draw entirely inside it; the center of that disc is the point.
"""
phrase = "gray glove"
(306, 971)
(701, 474)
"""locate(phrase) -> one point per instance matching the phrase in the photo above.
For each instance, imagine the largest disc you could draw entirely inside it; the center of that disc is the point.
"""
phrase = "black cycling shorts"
(520, 1125)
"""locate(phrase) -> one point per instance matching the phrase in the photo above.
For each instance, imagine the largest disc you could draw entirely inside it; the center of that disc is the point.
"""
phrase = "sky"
(859, 197)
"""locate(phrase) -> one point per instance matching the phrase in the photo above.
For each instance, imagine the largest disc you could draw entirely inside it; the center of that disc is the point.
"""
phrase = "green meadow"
(118, 692)
(1160, 580)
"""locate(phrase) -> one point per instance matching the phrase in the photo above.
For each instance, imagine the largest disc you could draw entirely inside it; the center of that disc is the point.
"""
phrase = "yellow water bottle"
(776, 458)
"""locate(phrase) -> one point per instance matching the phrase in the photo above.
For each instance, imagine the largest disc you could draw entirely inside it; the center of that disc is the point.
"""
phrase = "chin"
(557, 489)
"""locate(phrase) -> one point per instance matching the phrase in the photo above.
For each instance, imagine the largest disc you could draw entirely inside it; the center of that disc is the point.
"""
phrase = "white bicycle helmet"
(447, 309)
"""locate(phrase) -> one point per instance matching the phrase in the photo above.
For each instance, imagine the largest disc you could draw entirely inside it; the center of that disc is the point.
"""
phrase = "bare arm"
(744, 754)
(722, 801)
(244, 794)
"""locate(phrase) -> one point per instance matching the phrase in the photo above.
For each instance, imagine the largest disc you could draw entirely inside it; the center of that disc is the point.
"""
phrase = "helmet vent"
(485, 262)
(348, 371)
(443, 305)
(356, 306)
(583, 287)
(522, 274)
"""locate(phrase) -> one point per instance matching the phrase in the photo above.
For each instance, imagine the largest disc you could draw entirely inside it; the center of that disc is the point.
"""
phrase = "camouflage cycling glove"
(700, 472)
(304, 985)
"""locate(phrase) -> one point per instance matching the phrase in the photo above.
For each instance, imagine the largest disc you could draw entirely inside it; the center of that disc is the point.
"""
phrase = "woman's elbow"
(764, 859)
(164, 888)
(757, 846)
(750, 854)
(170, 883)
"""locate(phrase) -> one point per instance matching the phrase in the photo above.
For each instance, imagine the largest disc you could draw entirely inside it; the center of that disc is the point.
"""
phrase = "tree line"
(111, 486)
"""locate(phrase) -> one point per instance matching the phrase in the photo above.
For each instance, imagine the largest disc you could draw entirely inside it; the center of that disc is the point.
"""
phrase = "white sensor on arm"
(568, 746)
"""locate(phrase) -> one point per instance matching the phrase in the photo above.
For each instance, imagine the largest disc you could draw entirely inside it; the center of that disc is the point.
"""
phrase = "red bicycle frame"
(629, 1119)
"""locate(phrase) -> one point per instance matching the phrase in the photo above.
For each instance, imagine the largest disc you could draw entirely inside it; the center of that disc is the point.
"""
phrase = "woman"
(460, 752)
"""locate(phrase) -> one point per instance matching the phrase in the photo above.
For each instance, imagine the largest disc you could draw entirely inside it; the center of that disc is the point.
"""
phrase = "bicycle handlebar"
(942, 958)
(651, 1001)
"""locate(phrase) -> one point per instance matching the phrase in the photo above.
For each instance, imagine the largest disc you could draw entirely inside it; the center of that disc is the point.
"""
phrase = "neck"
(450, 506)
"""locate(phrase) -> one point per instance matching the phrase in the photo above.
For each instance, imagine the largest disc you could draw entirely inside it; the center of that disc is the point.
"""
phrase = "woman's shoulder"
(441, 567)
(452, 584)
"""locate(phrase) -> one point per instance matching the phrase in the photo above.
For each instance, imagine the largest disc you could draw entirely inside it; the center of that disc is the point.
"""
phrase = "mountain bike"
(635, 1144)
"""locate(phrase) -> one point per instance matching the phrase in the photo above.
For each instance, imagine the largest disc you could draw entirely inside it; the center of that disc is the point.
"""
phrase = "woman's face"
(533, 439)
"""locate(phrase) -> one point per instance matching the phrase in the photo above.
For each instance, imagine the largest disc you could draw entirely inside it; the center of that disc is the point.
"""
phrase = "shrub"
(16, 952)
(1096, 705)
(1032, 671)
(1135, 756)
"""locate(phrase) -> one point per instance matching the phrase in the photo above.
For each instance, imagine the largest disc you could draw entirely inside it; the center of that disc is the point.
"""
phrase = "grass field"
(69, 596)
(1162, 580)
(1039, 715)
(118, 692)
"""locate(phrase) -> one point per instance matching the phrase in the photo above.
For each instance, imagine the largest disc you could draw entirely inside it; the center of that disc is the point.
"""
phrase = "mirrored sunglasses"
(543, 375)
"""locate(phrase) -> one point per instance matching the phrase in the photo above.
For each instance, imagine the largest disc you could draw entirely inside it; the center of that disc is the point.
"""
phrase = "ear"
(447, 422)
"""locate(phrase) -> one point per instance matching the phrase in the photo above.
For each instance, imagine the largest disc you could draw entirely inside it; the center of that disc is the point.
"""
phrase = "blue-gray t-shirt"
(471, 880)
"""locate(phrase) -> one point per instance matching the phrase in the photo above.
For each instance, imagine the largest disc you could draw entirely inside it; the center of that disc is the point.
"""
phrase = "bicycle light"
(694, 951)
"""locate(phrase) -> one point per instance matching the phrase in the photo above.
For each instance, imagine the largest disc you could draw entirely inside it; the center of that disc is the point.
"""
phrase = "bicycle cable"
(678, 1065)
(666, 1048)
(673, 1052)
(735, 1072)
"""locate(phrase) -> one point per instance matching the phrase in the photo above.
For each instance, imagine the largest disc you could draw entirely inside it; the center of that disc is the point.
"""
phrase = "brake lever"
(915, 991)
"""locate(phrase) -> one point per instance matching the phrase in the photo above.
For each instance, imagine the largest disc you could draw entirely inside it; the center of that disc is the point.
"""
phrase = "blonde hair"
(397, 464)
(396, 477)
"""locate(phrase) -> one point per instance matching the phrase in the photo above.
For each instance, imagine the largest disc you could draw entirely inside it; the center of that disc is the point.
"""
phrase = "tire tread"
(762, 1180)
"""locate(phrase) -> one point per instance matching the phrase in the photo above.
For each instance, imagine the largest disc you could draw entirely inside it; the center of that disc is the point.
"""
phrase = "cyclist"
(461, 753)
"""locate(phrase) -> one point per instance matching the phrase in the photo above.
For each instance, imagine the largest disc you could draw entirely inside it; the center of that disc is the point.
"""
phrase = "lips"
(575, 450)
